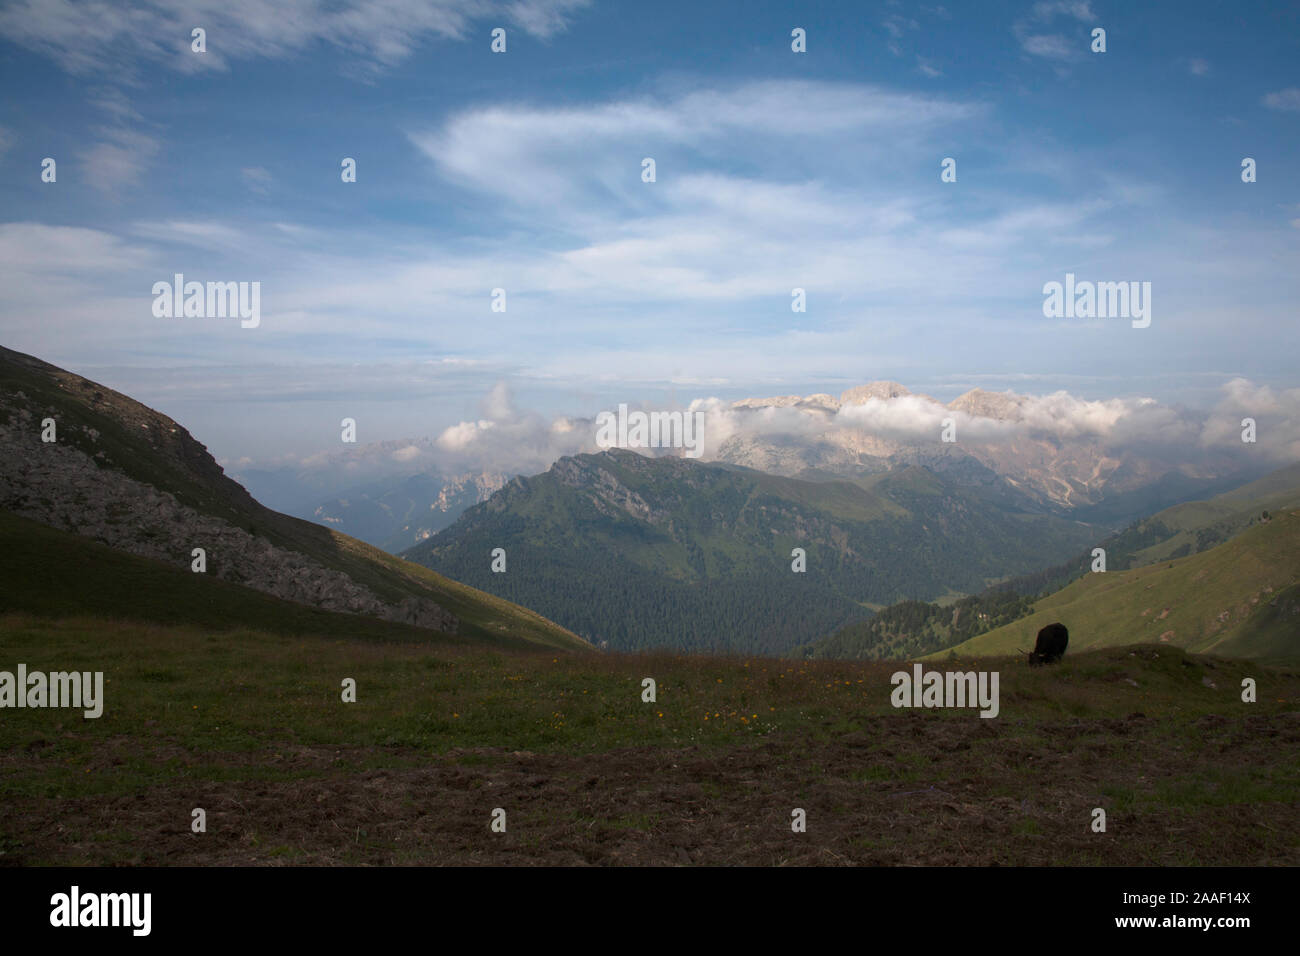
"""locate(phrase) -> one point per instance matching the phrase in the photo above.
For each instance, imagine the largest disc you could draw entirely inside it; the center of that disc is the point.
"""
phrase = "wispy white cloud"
(1079, 9)
(119, 160)
(897, 26)
(528, 154)
(1287, 100)
(115, 102)
(203, 234)
(544, 18)
(1052, 46)
(34, 249)
(257, 178)
(1048, 45)
(93, 37)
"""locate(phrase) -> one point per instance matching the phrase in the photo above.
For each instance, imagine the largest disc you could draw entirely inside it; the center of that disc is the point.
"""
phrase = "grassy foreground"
(250, 727)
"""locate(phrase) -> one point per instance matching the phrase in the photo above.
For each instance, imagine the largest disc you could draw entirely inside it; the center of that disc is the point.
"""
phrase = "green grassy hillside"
(1197, 525)
(915, 629)
(1237, 599)
(120, 433)
(52, 573)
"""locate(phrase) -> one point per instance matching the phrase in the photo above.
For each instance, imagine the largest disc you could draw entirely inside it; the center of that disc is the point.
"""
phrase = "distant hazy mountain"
(671, 552)
(1013, 447)
(81, 458)
(400, 512)
(390, 494)
(299, 486)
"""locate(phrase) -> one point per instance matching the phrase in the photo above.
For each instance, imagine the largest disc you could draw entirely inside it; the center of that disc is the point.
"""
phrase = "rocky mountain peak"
(861, 394)
(1002, 406)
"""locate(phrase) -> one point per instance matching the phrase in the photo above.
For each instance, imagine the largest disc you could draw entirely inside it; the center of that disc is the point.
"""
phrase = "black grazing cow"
(1050, 646)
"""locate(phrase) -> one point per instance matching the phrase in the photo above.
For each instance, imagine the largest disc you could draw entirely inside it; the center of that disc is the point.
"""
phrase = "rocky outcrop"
(861, 394)
(59, 484)
(999, 406)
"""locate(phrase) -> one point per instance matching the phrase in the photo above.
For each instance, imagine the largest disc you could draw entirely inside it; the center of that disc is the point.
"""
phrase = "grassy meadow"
(250, 726)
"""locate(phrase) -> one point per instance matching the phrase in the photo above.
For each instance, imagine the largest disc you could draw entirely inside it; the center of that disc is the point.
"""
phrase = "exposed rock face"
(609, 495)
(788, 457)
(882, 390)
(1000, 406)
(776, 401)
(820, 401)
(62, 486)
(478, 487)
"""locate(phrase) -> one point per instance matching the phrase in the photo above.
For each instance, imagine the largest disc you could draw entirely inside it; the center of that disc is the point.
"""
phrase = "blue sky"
(522, 170)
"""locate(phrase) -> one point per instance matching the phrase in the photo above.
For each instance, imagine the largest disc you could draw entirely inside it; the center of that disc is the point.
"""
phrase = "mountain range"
(1101, 462)
(863, 550)
(1054, 452)
(642, 552)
